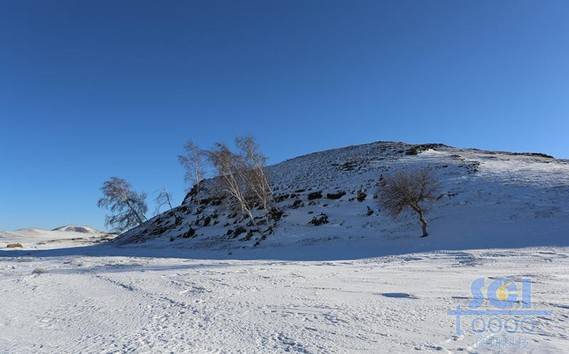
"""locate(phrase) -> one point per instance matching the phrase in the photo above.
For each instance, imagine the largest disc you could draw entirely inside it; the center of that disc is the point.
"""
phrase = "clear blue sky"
(92, 89)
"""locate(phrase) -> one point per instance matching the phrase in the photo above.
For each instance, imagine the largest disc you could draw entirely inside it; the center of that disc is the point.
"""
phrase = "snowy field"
(57, 303)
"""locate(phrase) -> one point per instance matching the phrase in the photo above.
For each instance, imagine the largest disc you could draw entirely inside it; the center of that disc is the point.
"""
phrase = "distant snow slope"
(79, 229)
(68, 235)
(488, 200)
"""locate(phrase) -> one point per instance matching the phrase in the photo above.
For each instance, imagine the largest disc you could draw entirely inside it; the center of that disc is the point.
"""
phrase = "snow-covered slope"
(78, 229)
(64, 236)
(488, 200)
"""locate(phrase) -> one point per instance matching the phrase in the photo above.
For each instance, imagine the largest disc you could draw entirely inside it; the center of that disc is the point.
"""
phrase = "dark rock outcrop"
(319, 220)
(314, 195)
(336, 195)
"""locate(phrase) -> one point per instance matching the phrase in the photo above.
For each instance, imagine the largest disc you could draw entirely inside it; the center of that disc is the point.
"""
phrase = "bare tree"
(127, 207)
(163, 198)
(193, 160)
(230, 168)
(257, 180)
(408, 190)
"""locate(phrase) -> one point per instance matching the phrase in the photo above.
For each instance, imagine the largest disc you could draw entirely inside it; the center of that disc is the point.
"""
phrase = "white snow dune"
(68, 235)
(359, 284)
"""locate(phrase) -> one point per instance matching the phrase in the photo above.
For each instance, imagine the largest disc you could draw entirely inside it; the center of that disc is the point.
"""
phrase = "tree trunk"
(248, 211)
(140, 221)
(422, 220)
(423, 224)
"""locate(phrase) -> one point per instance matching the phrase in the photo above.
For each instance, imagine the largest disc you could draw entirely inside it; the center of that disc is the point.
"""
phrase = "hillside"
(488, 200)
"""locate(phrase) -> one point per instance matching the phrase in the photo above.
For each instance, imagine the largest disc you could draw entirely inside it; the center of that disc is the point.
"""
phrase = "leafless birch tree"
(193, 160)
(256, 177)
(127, 207)
(163, 199)
(230, 168)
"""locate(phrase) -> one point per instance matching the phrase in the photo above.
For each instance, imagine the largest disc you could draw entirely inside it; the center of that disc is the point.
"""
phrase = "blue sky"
(93, 89)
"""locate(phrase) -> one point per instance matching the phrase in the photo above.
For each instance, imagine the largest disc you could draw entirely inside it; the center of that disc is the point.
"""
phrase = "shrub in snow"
(361, 196)
(14, 245)
(319, 220)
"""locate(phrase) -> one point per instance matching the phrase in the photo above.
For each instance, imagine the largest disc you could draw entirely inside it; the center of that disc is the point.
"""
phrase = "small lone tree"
(163, 199)
(127, 207)
(193, 160)
(408, 190)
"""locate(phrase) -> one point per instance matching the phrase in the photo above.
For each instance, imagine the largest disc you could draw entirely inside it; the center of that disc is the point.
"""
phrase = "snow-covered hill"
(78, 229)
(488, 200)
(68, 236)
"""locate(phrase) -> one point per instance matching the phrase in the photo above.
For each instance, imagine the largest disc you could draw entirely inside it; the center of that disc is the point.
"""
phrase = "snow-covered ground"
(361, 283)
(54, 303)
